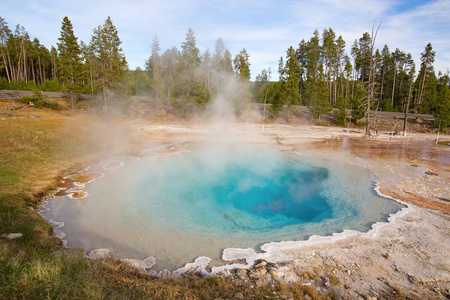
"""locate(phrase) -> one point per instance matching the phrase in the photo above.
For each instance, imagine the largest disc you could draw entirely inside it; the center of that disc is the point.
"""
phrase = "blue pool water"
(201, 201)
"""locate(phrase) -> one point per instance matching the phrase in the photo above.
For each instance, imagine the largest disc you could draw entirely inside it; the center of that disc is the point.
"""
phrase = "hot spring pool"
(198, 202)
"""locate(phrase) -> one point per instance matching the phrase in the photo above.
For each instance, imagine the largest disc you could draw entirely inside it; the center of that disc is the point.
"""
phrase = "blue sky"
(265, 28)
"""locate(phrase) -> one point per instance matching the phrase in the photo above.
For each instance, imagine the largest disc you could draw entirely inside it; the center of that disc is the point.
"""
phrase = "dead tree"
(408, 99)
(371, 81)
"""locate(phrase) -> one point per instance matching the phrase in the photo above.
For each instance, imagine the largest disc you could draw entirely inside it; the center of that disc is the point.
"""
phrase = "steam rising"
(196, 195)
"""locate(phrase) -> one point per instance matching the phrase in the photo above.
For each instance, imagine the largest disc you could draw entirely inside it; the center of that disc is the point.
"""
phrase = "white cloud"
(411, 31)
(265, 28)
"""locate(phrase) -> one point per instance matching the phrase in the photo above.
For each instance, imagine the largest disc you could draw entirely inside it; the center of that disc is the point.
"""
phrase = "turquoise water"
(201, 201)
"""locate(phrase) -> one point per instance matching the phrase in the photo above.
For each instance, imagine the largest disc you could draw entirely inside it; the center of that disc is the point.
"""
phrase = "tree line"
(317, 73)
(71, 67)
(186, 77)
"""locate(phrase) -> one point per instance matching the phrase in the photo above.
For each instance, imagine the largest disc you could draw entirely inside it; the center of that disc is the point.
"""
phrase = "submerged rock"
(197, 267)
(141, 265)
(431, 173)
(100, 253)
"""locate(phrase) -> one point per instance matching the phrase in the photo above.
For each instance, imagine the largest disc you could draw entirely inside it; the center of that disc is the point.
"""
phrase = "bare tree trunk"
(54, 73)
(330, 83)
(393, 85)
(353, 84)
(11, 67)
(371, 82)
(407, 102)
(420, 100)
(6, 67)
(41, 77)
(340, 75)
(382, 84)
(25, 74)
(19, 64)
(347, 84)
(32, 72)
(264, 112)
(335, 89)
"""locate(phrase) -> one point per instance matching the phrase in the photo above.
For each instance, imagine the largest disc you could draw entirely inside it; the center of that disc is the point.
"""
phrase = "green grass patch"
(8, 177)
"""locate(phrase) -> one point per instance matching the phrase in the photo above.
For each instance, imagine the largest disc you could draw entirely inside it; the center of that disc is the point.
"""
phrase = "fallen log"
(16, 107)
(16, 115)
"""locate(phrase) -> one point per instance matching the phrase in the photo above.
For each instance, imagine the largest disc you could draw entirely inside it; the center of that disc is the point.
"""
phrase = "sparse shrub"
(340, 113)
(39, 101)
(323, 123)
(287, 112)
(51, 86)
(334, 280)
(361, 124)
(184, 109)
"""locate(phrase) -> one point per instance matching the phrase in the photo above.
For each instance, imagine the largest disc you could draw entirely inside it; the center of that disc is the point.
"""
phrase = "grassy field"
(34, 152)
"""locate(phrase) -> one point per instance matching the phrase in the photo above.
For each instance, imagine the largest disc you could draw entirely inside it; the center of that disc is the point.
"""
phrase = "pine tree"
(319, 95)
(69, 60)
(339, 68)
(313, 54)
(329, 53)
(242, 66)
(169, 63)
(190, 89)
(153, 67)
(109, 62)
(242, 70)
(206, 67)
(222, 65)
(443, 102)
(4, 35)
(426, 68)
(290, 78)
(302, 61)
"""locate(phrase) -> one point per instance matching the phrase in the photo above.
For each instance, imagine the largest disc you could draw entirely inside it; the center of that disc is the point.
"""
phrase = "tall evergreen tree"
(4, 35)
(190, 54)
(242, 69)
(109, 61)
(242, 66)
(153, 67)
(319, 95)
(329, 53)
(339, 68)
(314, 54)
(303, 62)
(190, 88)
(426, 69)
(222, 64)
(70, 60)
(169, 63)
(443, 102)
(206, 67)
(290, 78)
